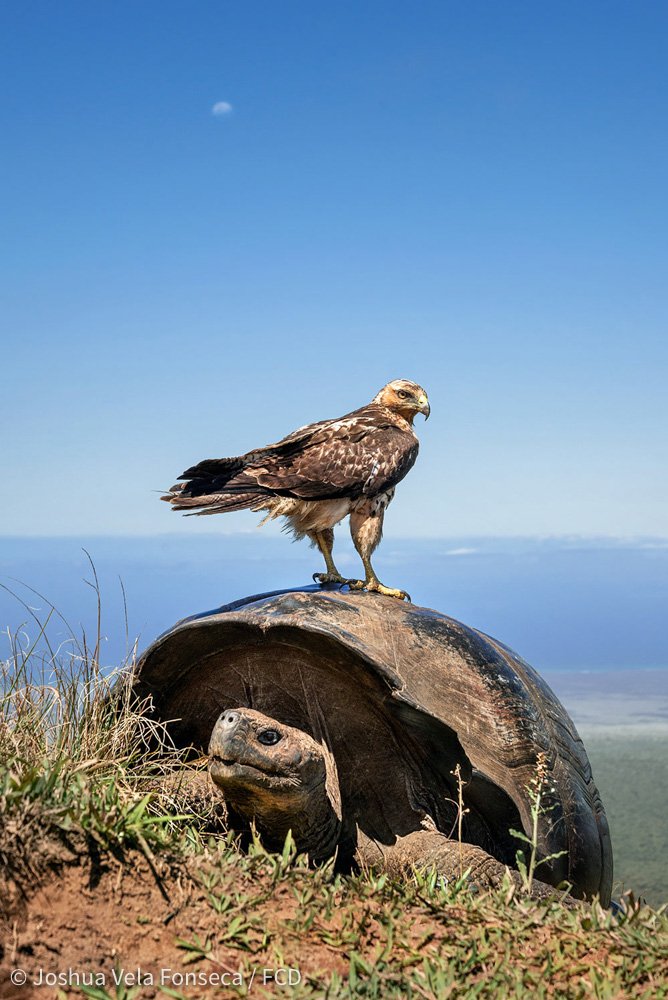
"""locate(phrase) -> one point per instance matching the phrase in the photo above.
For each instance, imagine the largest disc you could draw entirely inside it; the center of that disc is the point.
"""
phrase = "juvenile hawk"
(317, 475)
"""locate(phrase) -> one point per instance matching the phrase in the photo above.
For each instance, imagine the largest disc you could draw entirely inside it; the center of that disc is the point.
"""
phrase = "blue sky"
(469, 195)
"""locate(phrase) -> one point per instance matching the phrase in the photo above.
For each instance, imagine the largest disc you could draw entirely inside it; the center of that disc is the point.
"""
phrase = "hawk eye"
(269, 737)
(402, 394)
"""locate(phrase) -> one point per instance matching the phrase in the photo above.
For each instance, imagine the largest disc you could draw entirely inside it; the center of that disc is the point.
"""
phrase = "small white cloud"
(460, 552)
(221, 108)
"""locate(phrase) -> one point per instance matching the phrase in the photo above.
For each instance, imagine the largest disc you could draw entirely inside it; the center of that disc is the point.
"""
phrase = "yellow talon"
(374, 586)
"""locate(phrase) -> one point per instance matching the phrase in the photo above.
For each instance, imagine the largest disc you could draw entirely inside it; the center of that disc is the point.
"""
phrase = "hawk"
(318, 475)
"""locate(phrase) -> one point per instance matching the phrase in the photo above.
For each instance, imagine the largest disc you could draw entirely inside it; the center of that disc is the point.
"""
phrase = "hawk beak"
(424, 407)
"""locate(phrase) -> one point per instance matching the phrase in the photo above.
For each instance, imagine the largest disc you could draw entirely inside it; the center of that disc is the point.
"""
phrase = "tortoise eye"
(269, 737)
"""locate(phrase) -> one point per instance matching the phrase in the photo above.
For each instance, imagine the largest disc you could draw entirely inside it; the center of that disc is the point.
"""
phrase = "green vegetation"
(631, 773)
(81, 764)
(527, 859)
(94, 798)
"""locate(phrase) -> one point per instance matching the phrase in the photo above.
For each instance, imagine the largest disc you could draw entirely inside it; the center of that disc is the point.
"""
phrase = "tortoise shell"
(401, 695)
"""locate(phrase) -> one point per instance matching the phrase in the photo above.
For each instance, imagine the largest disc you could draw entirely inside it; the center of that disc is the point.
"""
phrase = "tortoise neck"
(314, 821)
(317, 828)
(317, 831)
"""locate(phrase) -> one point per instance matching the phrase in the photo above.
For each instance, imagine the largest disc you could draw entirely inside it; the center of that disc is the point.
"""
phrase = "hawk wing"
(362, 454)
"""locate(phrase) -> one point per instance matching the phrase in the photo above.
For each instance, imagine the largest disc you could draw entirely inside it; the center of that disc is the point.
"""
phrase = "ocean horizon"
(564, 604)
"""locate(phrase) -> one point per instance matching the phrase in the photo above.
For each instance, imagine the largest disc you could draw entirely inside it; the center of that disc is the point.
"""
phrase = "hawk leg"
(367, 531)
(325, 541)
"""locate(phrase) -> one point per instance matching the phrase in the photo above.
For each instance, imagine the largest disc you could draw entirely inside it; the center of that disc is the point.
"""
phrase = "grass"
(88, 784)
(538, 792)
(81, 760)
(631, 772)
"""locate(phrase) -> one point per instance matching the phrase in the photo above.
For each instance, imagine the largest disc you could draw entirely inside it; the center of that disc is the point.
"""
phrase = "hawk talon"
(323, 578)
(376, 587)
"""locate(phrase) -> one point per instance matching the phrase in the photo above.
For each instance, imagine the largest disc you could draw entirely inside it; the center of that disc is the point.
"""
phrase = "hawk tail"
(214, 503)
(216, 481)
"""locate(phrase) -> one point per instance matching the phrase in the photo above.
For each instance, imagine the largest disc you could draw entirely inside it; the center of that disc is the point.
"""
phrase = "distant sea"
(563, 604)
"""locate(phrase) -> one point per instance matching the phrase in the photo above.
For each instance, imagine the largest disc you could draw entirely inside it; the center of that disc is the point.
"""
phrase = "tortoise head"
(279, 777)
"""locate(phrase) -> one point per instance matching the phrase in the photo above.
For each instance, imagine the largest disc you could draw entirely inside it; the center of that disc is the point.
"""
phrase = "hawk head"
(405, 398)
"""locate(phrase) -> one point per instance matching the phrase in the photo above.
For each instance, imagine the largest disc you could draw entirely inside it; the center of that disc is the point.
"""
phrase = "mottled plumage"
(317, 475)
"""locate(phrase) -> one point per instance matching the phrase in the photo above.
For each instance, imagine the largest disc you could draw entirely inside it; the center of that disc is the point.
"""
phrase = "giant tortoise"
(378, 702)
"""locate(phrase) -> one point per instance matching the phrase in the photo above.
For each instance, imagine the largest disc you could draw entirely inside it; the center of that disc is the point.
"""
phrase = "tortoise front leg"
(430, 849)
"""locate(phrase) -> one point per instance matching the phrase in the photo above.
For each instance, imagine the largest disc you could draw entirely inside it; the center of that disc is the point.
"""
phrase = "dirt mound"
(91, 927)
(228, 924)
